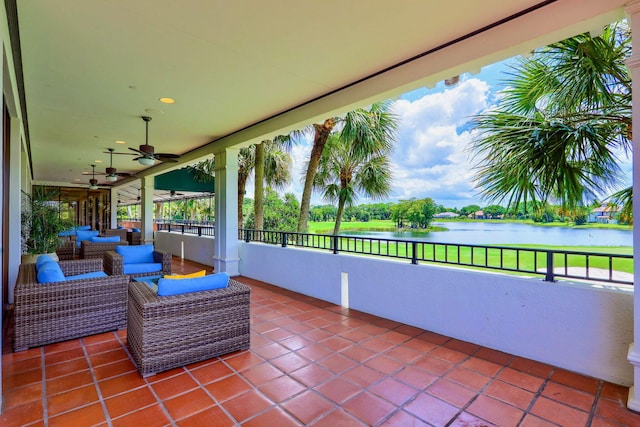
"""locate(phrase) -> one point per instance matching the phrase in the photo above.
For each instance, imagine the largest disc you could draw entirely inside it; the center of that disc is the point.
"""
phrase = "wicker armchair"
(53, 312)
(66, 250)
(114, 264)
(134, 237)
(90, 249)
(171, 331)
(122, 232)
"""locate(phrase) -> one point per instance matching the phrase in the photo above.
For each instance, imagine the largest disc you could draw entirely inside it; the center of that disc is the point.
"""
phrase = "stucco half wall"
(581, 327)
(189, 246)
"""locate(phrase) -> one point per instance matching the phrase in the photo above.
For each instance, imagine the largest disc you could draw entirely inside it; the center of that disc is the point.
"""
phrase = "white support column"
(633, 15)
(225, 250)
(146, 209)
(113, 220)
(15, 199)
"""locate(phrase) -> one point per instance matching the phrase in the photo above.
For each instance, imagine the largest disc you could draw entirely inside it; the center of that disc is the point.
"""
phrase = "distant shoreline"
(326, 227)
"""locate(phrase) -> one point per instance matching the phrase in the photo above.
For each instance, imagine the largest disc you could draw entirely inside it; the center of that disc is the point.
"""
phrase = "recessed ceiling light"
(120, 142)
(97, 161)
(167, 100)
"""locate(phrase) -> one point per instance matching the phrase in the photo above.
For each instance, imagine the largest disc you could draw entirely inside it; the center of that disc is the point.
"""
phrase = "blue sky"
(431, 158)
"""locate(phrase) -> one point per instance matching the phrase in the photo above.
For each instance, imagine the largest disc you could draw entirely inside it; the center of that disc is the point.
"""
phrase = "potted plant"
(41, 223)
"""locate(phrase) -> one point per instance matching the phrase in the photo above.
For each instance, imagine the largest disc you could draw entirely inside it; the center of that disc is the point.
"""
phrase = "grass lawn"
(521, 257)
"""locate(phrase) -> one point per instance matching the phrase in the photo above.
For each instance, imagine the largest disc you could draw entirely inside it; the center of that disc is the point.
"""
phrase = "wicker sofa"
(114, 264)
(53, 312)
(89, 249)
(170, 331)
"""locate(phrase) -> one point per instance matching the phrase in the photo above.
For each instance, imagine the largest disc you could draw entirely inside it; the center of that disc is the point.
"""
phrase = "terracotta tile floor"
(310, 363)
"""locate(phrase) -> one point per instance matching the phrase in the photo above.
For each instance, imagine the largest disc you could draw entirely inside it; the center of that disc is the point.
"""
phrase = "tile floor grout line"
(208, 393)
(45, 401)
(148, 384)
(594, 404)
(537, 394)
(96, 384)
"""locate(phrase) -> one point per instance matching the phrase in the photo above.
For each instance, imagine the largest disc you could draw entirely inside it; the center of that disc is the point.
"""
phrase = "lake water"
(491, 233)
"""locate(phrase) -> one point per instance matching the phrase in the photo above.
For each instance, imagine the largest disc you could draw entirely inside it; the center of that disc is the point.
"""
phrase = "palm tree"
(564, 115)
(344, 172)
(366, 129)
(273, 157)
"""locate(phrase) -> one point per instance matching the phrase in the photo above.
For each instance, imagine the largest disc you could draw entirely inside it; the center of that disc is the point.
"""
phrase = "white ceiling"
(92, 68)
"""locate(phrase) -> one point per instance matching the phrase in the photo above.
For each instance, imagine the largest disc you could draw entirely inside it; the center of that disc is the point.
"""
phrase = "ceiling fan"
(111, 172)
(93, 182)
(147, 155)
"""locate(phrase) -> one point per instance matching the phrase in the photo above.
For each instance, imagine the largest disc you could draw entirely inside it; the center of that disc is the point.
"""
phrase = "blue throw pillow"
(83, 227)
(50, 272)
(85, 235)
(42, 259)
(92, 275)
(136, 229)
(67, 233)
(120, 227)
(106, 239)
(168, 287)
(136, 254)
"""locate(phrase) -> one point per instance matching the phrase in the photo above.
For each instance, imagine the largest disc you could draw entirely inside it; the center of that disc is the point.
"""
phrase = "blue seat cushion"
(92, 275)
(42, 259)
(143, 267)
(67, 233)
(83, 227)
(85, 235)
(50, 272)
(120, 227)
(135, 229)
(106, 239)
(136, 254)
(168, 287)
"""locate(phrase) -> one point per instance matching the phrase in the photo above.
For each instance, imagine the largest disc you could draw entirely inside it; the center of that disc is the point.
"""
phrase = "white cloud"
(431, 159)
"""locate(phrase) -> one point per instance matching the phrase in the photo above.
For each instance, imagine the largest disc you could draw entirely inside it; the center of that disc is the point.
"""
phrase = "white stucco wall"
(580, 327)
(189, 246)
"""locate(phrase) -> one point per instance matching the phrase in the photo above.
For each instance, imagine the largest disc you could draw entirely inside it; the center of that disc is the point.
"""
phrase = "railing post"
(334, 243)
(182, 227)
(169, 228)
(246, 236)
(284, 239)
(199, 231)
(549, 276)
(414, 253)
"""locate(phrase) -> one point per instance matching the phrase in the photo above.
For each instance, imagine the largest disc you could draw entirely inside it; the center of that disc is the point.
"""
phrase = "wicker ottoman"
(171, 331)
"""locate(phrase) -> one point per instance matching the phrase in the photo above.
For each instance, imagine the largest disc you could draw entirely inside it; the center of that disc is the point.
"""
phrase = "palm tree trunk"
(258, 198)
(319, 140)
(336, 227)
(242, 182)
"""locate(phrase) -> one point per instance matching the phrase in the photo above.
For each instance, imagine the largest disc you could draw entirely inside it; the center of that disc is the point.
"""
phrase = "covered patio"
(77, 78)
(310, 363)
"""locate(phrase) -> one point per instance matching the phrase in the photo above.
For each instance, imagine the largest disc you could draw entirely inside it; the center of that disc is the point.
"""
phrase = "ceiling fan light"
(112, 178)
(93, 187)
(145, 161)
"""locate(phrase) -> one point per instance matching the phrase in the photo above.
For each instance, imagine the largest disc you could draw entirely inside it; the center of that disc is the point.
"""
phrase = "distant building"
(449, 215)
(479, 215)
(604, 214)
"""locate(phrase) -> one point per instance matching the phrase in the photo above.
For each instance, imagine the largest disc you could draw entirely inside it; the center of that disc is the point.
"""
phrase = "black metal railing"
(549, 263)
(186, 228)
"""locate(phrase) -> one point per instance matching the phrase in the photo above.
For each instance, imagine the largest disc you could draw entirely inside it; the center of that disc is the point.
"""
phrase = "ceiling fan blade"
(167, 155)
(91, 173)
(167, 159)
(136, 150)
(119, 152)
